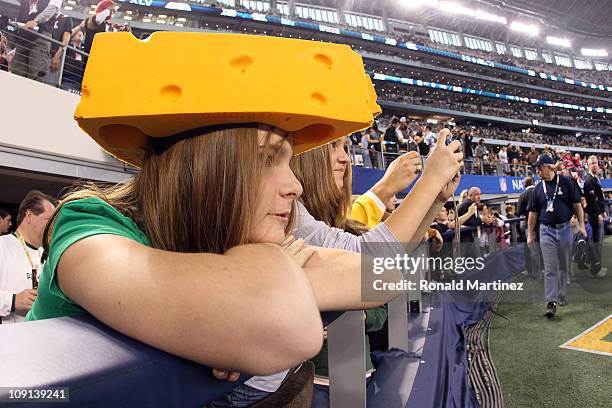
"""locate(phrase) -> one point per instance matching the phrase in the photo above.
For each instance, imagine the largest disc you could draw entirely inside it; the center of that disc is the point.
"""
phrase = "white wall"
(38, 133)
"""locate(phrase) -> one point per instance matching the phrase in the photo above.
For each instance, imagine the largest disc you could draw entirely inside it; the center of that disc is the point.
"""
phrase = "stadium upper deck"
(527, 60)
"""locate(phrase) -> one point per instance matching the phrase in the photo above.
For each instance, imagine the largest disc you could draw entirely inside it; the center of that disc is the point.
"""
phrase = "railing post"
(61, 69)
(492, 239)
(381, 161)
(397, 322)
(346, 359)
(514, 233)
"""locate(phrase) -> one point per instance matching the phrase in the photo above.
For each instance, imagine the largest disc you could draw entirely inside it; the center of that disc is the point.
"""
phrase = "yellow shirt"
(368, 209)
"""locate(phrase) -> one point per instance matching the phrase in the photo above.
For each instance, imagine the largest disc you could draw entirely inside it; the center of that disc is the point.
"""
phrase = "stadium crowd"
(393, 135)
(490, 106)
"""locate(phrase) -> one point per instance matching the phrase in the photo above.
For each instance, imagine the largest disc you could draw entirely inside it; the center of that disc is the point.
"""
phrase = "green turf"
(533, 370)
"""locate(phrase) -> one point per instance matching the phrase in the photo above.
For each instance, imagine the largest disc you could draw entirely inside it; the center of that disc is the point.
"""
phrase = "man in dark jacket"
(471, 248)
(32, 58)
(595, 209)
(533, 263)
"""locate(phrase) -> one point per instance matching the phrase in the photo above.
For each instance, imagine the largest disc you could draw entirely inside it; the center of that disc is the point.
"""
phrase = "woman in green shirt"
(186, 256)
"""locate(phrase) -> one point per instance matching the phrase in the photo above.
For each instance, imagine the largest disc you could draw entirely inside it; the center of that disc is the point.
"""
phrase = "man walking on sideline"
(553, 202)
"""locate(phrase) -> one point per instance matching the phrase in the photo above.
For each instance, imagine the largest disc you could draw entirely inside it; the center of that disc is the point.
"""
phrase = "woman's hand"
(297, 250)
(230, 376)
(449, 188)
(443, 164)
(399, 175)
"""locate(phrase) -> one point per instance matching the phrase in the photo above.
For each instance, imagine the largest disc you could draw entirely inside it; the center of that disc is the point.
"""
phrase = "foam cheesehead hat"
(175, 82)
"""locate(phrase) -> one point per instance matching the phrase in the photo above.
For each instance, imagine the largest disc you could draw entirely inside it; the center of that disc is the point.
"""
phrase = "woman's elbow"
(286, 341)
(298, 341)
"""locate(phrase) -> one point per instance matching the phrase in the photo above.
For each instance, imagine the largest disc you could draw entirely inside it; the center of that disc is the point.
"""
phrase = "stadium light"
(419, 3)
(483, 15)
(524, 28)
(591, 52)
(562, 42)
(452, 7)
(456, 8)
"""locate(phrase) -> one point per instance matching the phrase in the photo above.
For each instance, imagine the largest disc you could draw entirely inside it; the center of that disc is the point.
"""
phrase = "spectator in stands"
(326, 177)
(5, 221)
(31, 58)
(362, 149)
(393, 135)
(553, 202)
(20, 257)
(596, 211)
(477, 166)
(487, 220)
(62, 32)
(473, 197)
(532, 156)
(503, 158)
(98, 23)
(517, 170)
(462, 196)
(72, 76)
(430, 139)
(466, 138)
(4, 53)
(206, 243)
(481, 150)
(403, 131)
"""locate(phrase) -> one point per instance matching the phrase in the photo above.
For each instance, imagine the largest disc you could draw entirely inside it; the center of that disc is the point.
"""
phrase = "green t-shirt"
(77, 220)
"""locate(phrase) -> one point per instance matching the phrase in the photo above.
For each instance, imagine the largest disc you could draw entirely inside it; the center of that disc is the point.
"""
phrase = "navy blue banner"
(364, 179)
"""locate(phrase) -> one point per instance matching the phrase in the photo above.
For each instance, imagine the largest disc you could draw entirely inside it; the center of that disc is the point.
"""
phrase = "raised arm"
(439, 180)
(251, 310)
(335, 276)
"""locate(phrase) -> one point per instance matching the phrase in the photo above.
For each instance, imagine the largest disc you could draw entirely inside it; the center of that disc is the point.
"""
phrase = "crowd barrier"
(90, 359)
(30, 48)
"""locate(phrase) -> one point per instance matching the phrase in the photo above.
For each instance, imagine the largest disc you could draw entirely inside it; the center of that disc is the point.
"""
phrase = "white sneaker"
(602, 273)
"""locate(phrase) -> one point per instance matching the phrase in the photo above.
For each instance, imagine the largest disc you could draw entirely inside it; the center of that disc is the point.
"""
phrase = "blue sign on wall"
(364, 179)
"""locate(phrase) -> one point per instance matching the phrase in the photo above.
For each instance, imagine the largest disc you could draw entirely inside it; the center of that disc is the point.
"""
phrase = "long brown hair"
(322, 197)
(199, 195)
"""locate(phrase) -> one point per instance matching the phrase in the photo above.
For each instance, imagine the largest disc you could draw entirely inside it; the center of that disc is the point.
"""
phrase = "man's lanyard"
(32, 266)
(556, 189)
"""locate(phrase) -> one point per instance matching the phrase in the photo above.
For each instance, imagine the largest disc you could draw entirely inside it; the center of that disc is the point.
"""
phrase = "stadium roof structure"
(588, 23)
(591, 18)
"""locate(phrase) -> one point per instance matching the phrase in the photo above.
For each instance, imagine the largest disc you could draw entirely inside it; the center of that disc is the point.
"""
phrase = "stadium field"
(534, 370)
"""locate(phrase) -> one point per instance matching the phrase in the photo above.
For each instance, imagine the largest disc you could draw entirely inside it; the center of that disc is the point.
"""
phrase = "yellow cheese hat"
(174, 82)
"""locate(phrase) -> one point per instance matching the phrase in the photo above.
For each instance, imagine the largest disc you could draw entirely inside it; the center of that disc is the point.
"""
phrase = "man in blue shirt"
(553, 203)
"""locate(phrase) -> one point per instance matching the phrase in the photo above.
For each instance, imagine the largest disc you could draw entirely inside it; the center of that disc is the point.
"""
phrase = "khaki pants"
(32, 59)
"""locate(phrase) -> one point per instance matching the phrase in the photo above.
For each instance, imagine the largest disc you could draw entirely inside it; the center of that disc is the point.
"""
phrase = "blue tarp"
(442, 378)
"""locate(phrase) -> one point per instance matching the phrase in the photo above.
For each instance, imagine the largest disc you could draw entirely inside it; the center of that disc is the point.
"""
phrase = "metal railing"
(29, 55)
(374, 159)
(346, 335)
